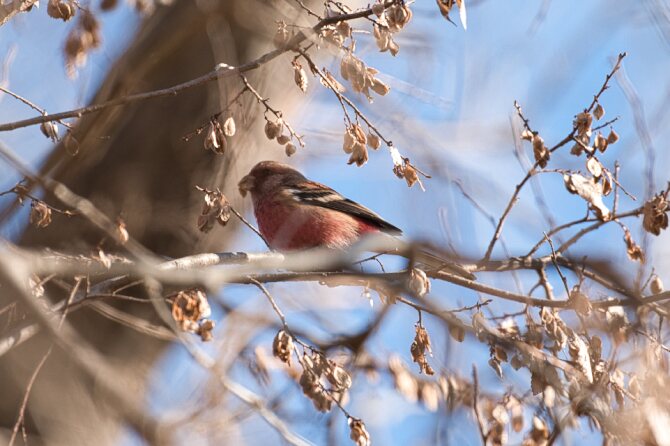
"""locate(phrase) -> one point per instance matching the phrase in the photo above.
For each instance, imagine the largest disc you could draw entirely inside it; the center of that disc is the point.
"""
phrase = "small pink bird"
(296, 213)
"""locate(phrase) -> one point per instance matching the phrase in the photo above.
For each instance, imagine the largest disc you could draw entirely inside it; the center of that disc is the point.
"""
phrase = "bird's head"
(266, 176)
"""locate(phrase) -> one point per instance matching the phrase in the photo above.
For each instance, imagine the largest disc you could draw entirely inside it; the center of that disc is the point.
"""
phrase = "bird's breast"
(289, 226)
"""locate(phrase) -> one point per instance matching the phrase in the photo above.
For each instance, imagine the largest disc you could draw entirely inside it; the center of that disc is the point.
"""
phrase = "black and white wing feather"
(317, 194)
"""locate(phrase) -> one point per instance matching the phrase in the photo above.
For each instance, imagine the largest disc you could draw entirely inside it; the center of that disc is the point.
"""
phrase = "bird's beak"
(246, 184)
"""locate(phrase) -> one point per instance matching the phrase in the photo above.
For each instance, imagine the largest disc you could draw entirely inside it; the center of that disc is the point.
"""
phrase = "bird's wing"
(312, 193)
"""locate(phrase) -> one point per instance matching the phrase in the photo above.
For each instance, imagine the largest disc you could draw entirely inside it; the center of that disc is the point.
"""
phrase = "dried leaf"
(229, 126)
(579, 352)
(63, 10)
(290, 149)
(599, 111)
(190, 310)
(655, 217)
(121, 231)
(418, 282)
(612, 137)
(358, 433)
(282, 347)
(582, 124)
(418, 349)
(216, 209)
(594, 166)
(540, 151)
(50, 130)
(579, 302)
(283, 139)
(282, 35)
(374, 142)
(457, 332)
(299, 76)
(600, 142)
(656, 285)
(40, 214)
(633, 250)
(590, 191)
(273, 129)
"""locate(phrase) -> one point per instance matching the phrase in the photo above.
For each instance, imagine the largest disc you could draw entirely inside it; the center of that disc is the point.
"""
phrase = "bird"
(295, 213)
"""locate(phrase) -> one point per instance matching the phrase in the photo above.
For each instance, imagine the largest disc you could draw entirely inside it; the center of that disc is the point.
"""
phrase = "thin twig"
(475, 404)
(217, 73)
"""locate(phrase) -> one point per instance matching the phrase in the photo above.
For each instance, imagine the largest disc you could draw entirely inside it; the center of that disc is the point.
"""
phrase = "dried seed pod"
(527, 135)
(343, 28)
(374, 142)
(359, 134)
(359, 154)
(282, 35)
(216, 209)
(121, 231)
(495, 365)
(229, 127)
(215, 140)
(598, 112)
(290, 149)
(50, 130)
(358, 433)
(398, 16)
(457, 332)
(582, 124)
(600, 142)
(540, 151)
(633, 250)
(205, 330)
(282, 347)
(273, 129)
(299, 76)
(283, 139)
(332, 83)
(612, 137)
(107, 5)
(63, 10)
(656, 285)
(418, 349)
(594, 166)
(190, 308)
(655, 217)
(380, 87)
(349, 141)
(418, 282)
(338, 377)
(378, 9)
(579, 301)
(40, 214)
